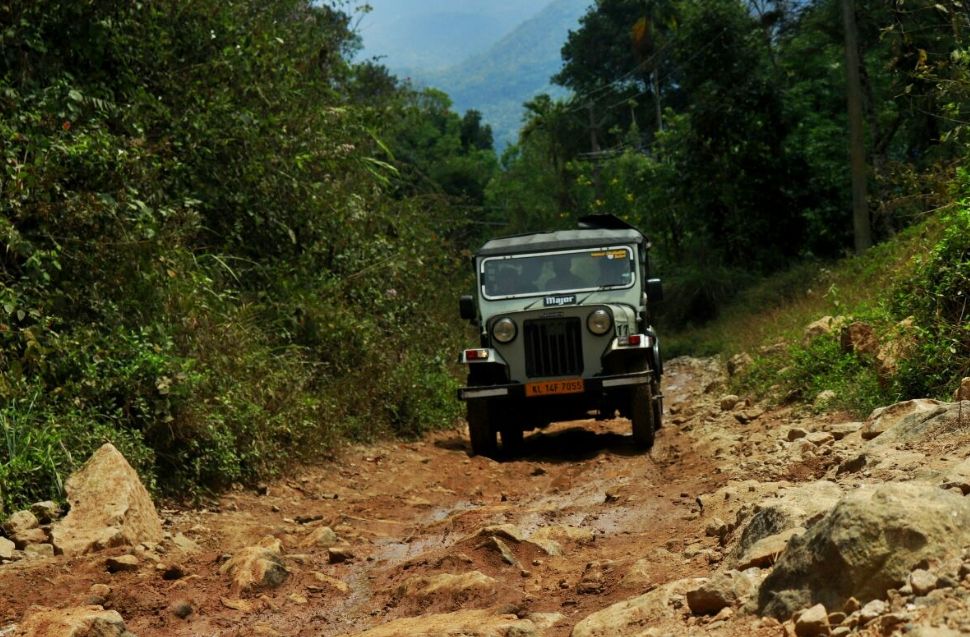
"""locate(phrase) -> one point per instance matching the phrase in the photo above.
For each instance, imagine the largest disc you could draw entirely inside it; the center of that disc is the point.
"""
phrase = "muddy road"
(421, 538)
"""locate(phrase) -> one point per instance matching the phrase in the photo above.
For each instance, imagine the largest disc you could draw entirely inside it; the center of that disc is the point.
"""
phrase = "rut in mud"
(533, 545)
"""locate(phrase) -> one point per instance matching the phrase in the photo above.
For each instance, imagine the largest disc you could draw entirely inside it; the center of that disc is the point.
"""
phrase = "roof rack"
(605, 222)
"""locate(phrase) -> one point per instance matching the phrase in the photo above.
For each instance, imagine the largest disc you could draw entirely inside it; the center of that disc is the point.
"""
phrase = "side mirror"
(655, 290)
(466, 307)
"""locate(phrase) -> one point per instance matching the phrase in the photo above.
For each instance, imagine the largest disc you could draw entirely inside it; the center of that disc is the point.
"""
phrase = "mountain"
(425, 36)
(513, 70)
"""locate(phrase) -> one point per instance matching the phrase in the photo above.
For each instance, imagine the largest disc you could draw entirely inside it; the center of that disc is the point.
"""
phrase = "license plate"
(552, 387)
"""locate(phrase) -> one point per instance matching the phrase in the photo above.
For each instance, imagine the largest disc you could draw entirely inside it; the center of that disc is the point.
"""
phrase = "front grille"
(553, 347)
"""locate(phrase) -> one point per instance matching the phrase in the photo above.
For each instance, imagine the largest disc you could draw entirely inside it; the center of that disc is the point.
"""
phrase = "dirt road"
(580, 521)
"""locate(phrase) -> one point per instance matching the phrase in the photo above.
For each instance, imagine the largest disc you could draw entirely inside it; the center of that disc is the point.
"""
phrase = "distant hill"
(513, 70)
(418, 37)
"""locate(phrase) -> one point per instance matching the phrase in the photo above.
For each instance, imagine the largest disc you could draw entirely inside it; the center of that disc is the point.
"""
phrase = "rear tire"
(642, 415)
(481, 434)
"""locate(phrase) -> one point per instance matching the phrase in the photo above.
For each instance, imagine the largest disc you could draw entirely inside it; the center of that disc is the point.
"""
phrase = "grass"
(767, 321)
(780, 306)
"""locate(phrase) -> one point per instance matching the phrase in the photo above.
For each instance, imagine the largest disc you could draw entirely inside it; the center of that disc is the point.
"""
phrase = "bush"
(938, 298)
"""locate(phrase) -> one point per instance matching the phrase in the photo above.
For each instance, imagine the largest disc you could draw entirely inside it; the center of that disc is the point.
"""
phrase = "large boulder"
(869, 543)
(109, 507)
(84, 621)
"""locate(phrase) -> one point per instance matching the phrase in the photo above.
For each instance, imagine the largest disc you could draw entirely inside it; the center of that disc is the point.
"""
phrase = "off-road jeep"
(565, 326)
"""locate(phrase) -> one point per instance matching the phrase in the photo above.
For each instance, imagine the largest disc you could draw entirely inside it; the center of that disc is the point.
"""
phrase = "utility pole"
(857, 144)
(655, 86)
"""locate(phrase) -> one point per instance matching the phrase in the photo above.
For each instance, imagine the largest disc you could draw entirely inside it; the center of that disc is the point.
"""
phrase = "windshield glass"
(572, 271)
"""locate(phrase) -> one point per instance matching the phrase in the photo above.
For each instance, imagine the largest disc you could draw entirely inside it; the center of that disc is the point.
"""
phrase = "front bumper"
(595, 385)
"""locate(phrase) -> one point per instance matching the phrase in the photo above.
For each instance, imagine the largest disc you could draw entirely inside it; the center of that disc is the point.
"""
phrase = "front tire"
(642, 416)
(512, 439)
(481, 434)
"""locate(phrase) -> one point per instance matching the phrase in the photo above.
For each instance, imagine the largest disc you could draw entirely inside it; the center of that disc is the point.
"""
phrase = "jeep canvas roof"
(593, 231)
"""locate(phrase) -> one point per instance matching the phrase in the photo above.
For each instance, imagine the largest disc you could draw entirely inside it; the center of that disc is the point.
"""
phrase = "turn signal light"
(476, 354)
(633, 340)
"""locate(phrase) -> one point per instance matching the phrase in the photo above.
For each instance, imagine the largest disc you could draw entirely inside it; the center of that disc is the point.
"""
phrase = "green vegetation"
(224, 248)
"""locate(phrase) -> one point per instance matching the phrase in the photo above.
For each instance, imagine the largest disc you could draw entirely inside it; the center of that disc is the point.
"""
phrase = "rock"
(936, 631)
(797, 507)
(905, 415)
(466, 623)
(35, 551)
(549, 537)
(739, 363)
(717, 528)
(504, 551)
(868, 544)
(872, 610)
(959, 477)
(824, 398)
(6, 548)
(765, 551)
(594, 577)
(122, 564)
(338, 554)
(84, 621)
(859, 338)
(184, 544)
(237, 604)
(812, 622)
(445, 590)
(518, 536)
(820, 438)
(725, 589)
(20, 522)
(922, 581)
(628, 618)
(963, 391)
(729, 402)
(173, 572)
(821, 327)
(852, 465)
(257, 567)
(843, 429)
(46, 512)
(109, 507)
(331, 582)
(181, 609)
(25, 538)
(795, 433)
(322, 536)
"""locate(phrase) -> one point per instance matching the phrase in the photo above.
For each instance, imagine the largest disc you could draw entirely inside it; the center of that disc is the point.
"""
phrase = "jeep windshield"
(523, 275)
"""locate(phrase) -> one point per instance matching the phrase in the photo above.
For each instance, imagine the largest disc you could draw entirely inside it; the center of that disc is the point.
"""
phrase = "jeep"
(565, 327)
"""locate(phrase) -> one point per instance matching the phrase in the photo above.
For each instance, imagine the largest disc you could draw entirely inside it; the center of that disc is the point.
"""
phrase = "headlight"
(504, 330)
(599, 322)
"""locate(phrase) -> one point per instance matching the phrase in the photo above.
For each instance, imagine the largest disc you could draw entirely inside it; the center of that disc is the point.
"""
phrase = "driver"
(563, 277)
